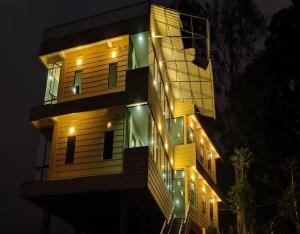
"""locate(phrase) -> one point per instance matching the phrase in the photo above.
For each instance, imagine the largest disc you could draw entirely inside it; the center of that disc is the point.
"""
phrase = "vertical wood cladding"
(94, 63)
(89, 129)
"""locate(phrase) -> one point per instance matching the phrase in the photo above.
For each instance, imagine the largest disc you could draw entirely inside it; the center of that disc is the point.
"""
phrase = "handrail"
(186, 219)
(167, 221)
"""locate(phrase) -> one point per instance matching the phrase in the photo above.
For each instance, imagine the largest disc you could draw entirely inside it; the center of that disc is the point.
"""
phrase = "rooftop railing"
(95, 21)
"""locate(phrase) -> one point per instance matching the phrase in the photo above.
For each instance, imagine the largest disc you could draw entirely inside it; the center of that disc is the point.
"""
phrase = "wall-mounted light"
(191, 125)
(74, 90)
(159, 127)
(167, 87)
(203, 189)
(160, 63)
(154, 82)
(113, 54)
(71, 130)
(212, 200)
(171, 161)
(109, 125)
(153, 34)
(172, 108)
(193, 177)
(79, 62)
(202, 141)
(191, 135)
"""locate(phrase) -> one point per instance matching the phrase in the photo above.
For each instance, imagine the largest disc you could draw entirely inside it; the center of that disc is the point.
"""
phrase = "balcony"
(140, 186)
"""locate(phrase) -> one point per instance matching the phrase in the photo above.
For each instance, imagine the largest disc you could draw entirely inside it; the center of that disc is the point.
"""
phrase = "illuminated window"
(112, 78)
(77, 82)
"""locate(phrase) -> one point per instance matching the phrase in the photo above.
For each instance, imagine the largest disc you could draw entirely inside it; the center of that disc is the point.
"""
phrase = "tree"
(241, 196)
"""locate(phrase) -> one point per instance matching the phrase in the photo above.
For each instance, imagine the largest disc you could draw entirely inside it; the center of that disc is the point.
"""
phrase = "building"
(125, 151)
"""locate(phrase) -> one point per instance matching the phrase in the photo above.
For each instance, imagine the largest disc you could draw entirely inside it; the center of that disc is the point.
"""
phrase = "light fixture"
(141, 38)
(203, 189)
(153, 35)
(178, 135)
(74, 90)
(212, 200)
(178, 183)
(171, 161)
(79, 62)
(191, 135)
(160, 63)
(172, 108)
(166, 146)
(159, 127)
(71, 130)
(138, 107)
(183, 174)
(154, 82)
(113, 54)
(109, 125)
(193, 177)
(201, 141)
(167, 87)
(181, 193)
(177, 202)
(191, 125)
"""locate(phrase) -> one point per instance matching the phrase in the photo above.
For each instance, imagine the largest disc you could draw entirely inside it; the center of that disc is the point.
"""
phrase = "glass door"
(178, 193)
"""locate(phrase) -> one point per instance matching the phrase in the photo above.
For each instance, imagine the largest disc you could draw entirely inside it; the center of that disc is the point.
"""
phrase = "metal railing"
(168, 221)
(94, 21)
(184, 226)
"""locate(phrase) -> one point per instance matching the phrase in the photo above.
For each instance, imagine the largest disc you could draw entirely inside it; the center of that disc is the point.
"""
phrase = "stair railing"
(167, 221)
(185, 222)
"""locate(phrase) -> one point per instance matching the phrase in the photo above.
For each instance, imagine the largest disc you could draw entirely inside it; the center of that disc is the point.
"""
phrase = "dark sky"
(23, 82)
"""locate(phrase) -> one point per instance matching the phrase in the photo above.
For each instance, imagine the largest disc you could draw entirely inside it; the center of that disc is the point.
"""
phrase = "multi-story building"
(125, 151)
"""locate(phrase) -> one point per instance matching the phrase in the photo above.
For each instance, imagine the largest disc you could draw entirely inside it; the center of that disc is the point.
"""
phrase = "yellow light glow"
(201, 141)
(159, 127)
(212, 200)
(191, 125)
(109, 125)
(171, 161)
(166, 146)
(167, 87)
(79, 62)
(193, 177)
(154, 82)
(153, 35)
(160, 63)
(113, 54)
(172, 109)
(203, 189)
(71, 130)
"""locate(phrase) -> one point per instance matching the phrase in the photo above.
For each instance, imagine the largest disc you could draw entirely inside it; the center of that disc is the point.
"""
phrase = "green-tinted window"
(176, 131)
(112, 78)
(192, 195)
(77, 82)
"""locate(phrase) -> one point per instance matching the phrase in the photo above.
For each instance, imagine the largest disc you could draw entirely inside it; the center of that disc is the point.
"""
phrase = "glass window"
(178, 193)
(211, 210)
(52, 83)
(77, 82)
(70, 149)
(138, 50)
(192, 194)
(190, 136)
(108, 145)
(209, 162)
(112, 77)
(203, 204)
(176, 131)
(137, 126)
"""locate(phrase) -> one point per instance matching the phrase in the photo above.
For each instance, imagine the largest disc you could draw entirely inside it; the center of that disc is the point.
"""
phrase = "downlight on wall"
(71, 130)
(113, 54)
(79, 62)
(109, 125)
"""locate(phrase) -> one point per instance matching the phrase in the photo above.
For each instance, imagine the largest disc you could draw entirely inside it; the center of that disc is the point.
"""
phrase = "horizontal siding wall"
(184, 156)
(95, 69)
(158, 188)
(89, 131)
(202, 220)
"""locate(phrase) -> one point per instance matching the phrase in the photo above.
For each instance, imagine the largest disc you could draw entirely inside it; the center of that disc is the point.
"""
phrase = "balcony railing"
(97, 20)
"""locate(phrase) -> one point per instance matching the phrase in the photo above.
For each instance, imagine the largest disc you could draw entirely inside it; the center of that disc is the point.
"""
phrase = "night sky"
(23, 83)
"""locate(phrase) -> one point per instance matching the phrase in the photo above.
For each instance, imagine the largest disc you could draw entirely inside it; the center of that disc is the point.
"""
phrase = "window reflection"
(138, 48)
(176, 131)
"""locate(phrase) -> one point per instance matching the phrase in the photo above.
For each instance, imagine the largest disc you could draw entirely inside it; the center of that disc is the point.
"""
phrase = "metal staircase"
(174, 225)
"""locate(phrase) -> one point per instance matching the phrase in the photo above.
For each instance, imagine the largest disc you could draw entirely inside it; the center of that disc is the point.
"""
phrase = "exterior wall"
(200, 219)
(95, 67)
(89, 131)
